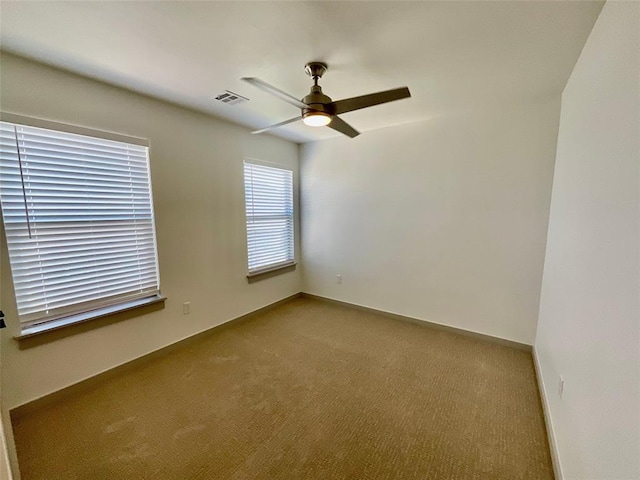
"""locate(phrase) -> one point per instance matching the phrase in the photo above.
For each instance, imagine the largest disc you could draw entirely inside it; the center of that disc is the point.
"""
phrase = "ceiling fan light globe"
(317, 119)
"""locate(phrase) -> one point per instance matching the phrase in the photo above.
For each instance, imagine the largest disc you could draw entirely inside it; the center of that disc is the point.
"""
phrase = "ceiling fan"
(318, 110)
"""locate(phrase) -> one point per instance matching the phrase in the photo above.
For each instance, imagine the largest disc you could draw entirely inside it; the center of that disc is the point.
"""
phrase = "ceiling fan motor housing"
(316, 101)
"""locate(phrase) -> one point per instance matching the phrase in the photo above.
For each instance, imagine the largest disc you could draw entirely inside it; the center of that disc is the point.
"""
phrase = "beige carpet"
(309, 390)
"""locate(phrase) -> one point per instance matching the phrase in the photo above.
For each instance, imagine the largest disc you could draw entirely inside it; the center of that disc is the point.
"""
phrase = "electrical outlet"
(186, 308)
(338, 278)
(560, 386)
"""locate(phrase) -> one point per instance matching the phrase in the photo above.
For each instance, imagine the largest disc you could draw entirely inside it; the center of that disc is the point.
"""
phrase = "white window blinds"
(269, 204)
(78, 217)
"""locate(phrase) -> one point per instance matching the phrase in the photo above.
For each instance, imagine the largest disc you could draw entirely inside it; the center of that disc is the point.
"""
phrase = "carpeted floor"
(309, 390)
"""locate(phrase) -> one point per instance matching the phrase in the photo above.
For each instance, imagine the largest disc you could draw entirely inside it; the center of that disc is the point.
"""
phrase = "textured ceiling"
(452, 55)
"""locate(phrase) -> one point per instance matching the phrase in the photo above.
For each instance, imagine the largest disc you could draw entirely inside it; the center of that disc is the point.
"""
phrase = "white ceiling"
(452, 55)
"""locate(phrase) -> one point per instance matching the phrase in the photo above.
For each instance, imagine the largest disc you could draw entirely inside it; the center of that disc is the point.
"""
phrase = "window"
(78, 217)
(269, 204)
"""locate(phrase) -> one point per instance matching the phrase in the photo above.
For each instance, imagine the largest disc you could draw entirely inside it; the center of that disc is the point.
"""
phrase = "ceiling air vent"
(231, 98)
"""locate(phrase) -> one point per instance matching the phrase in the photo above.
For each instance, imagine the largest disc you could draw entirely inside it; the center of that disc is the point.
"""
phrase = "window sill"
(116, 312)
(271, 272)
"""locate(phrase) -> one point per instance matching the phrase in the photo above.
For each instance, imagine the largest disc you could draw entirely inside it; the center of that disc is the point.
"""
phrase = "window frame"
(275, 268)
(28, 328)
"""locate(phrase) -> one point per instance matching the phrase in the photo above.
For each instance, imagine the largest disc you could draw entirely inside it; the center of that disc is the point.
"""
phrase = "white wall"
(6, 442)
(5, 469)
(196, 168)
(589, 329)
(443, 220)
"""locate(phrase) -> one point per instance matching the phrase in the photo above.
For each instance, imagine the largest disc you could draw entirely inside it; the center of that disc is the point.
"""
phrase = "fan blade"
(276, 92)
(364, 101)
(343, 127)
(270, 127)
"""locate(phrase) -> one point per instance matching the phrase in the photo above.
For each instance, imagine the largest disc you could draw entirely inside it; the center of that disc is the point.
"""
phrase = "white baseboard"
(553, 446)
(419, 321)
